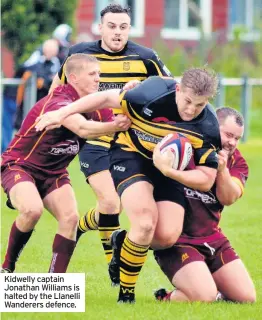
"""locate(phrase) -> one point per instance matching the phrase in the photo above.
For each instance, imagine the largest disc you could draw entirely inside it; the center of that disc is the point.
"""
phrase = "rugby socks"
(17, 241)
(108, 223)
(87, 223)
(132, 259)
(63, 249)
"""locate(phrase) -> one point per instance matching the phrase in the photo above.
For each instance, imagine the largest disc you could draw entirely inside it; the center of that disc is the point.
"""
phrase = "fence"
(30, 92)
(245, 103)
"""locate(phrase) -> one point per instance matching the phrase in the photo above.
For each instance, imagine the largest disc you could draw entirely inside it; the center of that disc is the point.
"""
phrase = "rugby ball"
(180, 147)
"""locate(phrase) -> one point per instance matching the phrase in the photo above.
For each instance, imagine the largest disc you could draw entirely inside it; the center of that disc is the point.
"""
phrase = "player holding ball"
(153, 202)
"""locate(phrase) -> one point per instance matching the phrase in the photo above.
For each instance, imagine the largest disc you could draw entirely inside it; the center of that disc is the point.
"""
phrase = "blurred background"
(223, 34)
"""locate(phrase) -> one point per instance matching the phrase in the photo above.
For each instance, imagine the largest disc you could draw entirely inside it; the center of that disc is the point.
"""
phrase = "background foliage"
(27, 23)
(233, 59)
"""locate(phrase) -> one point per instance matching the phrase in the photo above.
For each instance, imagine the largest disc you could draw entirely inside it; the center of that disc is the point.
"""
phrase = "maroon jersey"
(48, 151)
(204, 210)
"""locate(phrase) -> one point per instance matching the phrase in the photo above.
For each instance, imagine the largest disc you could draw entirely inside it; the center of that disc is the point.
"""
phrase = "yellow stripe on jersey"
(157, 68)
(117, 111)
(239, 183)
(105, 56)
(100, 143)
(205, 155)
(124, 79)
(127, 66)
(63, 78)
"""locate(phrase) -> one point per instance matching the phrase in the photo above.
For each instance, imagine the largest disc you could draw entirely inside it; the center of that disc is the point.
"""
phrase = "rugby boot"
(162, 295)
(5, 270)
(117, 238)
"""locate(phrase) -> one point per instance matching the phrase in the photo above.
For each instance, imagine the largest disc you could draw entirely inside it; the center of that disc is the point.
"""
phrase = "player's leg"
(170, 199)
(169, 224)
(24, 197)
(187, 271)
(62, 204)
(143, 216)
(94, 162)
(108, 207)
(130, 174)
(232, 278)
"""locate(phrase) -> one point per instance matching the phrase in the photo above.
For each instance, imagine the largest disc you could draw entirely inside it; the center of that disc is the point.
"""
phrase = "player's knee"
(147, 221)
(166, 238)
(70, 220)
(247, 297)
(109, 205)
(32, 212)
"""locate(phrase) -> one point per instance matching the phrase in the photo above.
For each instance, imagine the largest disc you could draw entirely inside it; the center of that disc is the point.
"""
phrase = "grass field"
(242, 223)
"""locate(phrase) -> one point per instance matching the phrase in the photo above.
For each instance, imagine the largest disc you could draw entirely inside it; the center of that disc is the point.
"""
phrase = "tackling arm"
(227, 189)
(94, 129)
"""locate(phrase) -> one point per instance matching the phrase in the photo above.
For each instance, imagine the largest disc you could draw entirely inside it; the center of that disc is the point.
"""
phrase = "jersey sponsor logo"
(207, 197)
(126, 66)
(119, 168)
(145, 137)
(106, 86)
(184, 257)
(17, 177)
(84, 164)
(161, 119)
(70, 147)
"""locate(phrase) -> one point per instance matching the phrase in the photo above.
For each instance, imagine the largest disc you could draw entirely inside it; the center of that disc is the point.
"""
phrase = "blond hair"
(76, 63)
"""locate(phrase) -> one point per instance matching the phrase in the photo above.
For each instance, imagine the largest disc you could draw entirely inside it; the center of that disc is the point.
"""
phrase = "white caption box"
(42, 292)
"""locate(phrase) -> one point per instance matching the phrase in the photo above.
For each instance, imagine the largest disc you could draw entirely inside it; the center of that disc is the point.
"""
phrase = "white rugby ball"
(180, 147)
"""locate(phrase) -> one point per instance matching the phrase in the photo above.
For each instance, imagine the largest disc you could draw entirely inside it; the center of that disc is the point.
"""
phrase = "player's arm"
(86, 104)
(55, 83)
(94, 129)
(201, 178)
(228, 188)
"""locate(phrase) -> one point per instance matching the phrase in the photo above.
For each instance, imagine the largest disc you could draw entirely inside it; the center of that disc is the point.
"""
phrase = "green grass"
(242, 223)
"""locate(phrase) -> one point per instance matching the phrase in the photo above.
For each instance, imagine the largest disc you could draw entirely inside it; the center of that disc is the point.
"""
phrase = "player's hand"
(222, 160)
(163, 161)
(122, 122)
(131, 84)
(49, 120)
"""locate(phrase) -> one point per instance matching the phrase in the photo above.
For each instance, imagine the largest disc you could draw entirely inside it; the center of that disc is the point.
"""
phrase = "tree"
(27, 23)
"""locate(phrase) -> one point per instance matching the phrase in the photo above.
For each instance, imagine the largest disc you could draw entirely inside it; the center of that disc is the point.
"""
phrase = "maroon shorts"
(45, 184)
(215, 254)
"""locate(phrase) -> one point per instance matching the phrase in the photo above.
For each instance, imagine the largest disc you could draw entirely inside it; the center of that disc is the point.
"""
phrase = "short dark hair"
(202, 81)
(115, 8)
(224, 112)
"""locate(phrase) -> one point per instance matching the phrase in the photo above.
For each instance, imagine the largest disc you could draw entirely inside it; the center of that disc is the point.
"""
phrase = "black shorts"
(93, 159)
(128, 167)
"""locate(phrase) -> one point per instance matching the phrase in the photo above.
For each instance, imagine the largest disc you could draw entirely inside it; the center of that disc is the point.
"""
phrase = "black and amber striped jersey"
(152, 108)
(117, 68)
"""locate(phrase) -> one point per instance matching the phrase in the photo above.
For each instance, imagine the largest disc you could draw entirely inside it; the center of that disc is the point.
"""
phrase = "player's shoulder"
(151, 89)
(238, 158)
(210, 127)
(89, 47)
(62, 96)
(142, 51)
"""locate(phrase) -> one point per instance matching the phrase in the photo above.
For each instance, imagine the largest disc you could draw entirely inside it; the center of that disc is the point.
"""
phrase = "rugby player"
(121, 60)
(33, 168)
(203, 262)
